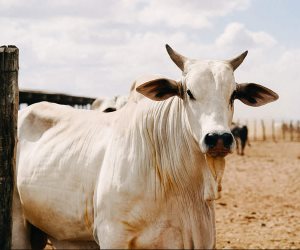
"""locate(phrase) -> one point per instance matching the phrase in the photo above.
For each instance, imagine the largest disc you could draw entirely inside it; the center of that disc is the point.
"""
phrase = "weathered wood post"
(263, 127)
(9, 99)
(283, 129)
(273, 131)
(291, 128)
(254, 131)
(298, 130)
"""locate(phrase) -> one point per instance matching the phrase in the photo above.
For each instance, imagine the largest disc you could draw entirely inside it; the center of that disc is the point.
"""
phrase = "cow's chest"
(146, 223)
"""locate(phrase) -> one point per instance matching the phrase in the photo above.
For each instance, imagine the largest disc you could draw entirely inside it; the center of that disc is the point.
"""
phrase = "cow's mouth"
(218, 152)
(218, 145)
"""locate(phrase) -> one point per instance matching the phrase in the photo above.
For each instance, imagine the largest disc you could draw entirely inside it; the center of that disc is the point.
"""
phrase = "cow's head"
(105, 105)
(208, 89)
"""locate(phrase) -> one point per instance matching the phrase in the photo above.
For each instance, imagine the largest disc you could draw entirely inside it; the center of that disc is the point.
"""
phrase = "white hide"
(121, 101)
(102, 104)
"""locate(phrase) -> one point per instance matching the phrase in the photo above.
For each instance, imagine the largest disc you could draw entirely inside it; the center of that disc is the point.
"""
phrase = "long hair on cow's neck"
(169, 148)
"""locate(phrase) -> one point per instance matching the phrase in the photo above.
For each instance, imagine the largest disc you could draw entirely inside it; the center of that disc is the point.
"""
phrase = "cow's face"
(209, 86)
(208, 89)
(104, 105)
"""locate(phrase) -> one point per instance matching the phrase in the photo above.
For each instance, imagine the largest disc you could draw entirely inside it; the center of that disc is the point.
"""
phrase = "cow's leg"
(20, 228)
(63, 244)
(243, 144)
(38, 239)
(237, 145)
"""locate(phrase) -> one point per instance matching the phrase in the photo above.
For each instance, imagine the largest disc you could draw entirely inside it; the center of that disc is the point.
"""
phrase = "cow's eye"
(190, 94)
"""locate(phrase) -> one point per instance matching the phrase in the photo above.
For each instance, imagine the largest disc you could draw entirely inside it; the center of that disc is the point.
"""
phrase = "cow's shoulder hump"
(34, 120)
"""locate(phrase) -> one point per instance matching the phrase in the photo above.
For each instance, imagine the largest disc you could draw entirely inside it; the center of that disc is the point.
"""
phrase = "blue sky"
(98, 48)
(280, 18)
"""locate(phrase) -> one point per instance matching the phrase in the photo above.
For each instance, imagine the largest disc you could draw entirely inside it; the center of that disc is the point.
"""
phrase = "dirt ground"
(260, 204)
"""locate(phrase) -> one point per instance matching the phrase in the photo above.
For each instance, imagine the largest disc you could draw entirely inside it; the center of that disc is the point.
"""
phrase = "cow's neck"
(172, 151)
(178, 164)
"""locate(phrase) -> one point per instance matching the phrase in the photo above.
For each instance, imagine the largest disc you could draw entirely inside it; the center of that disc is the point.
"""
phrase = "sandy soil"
(260, 204)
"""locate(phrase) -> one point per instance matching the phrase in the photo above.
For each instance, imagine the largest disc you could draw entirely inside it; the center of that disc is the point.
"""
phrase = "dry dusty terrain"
(260, 204)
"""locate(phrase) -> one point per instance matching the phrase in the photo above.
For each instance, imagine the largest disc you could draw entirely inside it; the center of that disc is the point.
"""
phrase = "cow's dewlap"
(213, 177)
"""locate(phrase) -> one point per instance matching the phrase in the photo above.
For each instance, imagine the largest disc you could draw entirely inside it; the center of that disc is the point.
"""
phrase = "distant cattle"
(145, 176)
(109, 104)
(240, 134)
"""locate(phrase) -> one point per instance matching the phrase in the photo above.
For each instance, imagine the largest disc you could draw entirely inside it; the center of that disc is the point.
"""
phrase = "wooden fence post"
(254, 131)
(273, 131)
(263, 130)
(283, 129)
(291, 128)
(298, 130)
(9, 99)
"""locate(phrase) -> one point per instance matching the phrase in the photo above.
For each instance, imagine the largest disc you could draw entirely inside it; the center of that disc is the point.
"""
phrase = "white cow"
(109, 104)
(144, 176)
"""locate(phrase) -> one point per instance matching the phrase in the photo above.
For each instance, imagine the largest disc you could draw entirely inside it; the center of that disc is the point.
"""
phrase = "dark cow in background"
(240, 134)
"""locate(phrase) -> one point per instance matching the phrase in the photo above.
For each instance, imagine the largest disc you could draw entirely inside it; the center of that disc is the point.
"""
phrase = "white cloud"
(169, 13)
(191, 14)
(236, 35)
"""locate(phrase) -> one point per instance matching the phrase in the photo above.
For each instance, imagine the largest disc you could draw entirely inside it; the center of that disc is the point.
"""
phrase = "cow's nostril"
(227, 139)
(211, 139)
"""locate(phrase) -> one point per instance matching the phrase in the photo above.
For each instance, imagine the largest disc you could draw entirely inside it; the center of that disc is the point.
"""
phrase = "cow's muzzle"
(219, 145)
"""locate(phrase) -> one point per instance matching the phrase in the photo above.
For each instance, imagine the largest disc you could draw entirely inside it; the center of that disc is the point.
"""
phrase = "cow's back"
(60, 151)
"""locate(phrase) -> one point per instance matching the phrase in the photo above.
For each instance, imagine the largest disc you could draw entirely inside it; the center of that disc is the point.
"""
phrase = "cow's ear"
(160, 89)
(254, 94)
